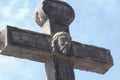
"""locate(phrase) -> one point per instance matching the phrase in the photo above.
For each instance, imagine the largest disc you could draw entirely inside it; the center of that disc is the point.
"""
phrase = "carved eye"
(63, 39)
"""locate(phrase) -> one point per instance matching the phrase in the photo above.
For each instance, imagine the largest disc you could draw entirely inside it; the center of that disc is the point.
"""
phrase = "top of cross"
(52, 12)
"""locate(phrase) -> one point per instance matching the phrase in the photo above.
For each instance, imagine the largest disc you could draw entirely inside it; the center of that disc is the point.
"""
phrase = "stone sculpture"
(61, 42)
(54, 43)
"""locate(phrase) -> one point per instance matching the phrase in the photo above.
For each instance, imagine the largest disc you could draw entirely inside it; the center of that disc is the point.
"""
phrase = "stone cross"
(54, 46)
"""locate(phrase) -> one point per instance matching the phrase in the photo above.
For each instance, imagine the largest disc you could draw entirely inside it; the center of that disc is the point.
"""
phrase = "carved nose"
(66, 42)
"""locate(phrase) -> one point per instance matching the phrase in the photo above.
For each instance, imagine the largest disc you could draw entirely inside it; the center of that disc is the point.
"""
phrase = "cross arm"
(91, 58)
(25, 44)
(36, 46)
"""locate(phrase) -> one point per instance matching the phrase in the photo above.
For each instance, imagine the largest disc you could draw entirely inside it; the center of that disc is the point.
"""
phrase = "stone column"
(55, 16)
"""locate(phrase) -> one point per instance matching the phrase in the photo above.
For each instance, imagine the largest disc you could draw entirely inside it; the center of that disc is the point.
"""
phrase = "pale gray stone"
(61, 42)
(32, 45)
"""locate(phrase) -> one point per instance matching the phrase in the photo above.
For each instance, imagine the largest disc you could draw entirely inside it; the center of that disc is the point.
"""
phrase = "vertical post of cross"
(55, 16)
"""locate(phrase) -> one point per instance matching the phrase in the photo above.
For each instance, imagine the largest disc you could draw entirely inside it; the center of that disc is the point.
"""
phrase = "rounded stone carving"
(59, 12)
(39, 15)
(56, 11)
(61, 42)
(2, 41)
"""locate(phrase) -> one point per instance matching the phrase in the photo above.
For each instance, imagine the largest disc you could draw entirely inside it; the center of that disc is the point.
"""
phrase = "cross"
(54, 46)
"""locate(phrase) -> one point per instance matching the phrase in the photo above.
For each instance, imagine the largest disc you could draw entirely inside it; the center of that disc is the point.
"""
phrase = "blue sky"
(97, 22)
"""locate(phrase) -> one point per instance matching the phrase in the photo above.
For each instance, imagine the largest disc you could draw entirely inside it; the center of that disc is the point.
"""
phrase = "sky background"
(97, 22)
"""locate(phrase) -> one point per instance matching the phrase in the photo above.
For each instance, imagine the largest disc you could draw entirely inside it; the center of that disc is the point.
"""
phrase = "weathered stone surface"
(59, 12)
(54, 16)
(59, 69)
(31, 45)
(52, 28)
(39, 15)
(25, 44)
(2, 39)
(61, 43)
(89, 57)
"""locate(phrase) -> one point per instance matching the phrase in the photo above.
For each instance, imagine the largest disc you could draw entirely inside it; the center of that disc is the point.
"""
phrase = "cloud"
(4, 78)
(19, 69)
(18, 13)
(12, 12)
(6, 8)
(96, 19)
(21, 13)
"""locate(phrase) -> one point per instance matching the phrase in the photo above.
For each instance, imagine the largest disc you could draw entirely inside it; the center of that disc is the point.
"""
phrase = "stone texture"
(54, 16)
(31, 45)
(59, 69)
(58, 12)
(25, 44)
(39, 15)
(89, 57)
(52, 28)
(2, 39)
(61, 43)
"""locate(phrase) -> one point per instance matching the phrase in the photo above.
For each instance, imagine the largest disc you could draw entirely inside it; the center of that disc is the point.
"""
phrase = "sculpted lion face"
(62, 42)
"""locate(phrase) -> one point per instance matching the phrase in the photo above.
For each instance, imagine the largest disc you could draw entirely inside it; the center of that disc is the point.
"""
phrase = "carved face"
(62, 43)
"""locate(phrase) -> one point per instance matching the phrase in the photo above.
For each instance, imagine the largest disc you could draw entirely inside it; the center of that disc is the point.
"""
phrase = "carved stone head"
(61, 42)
